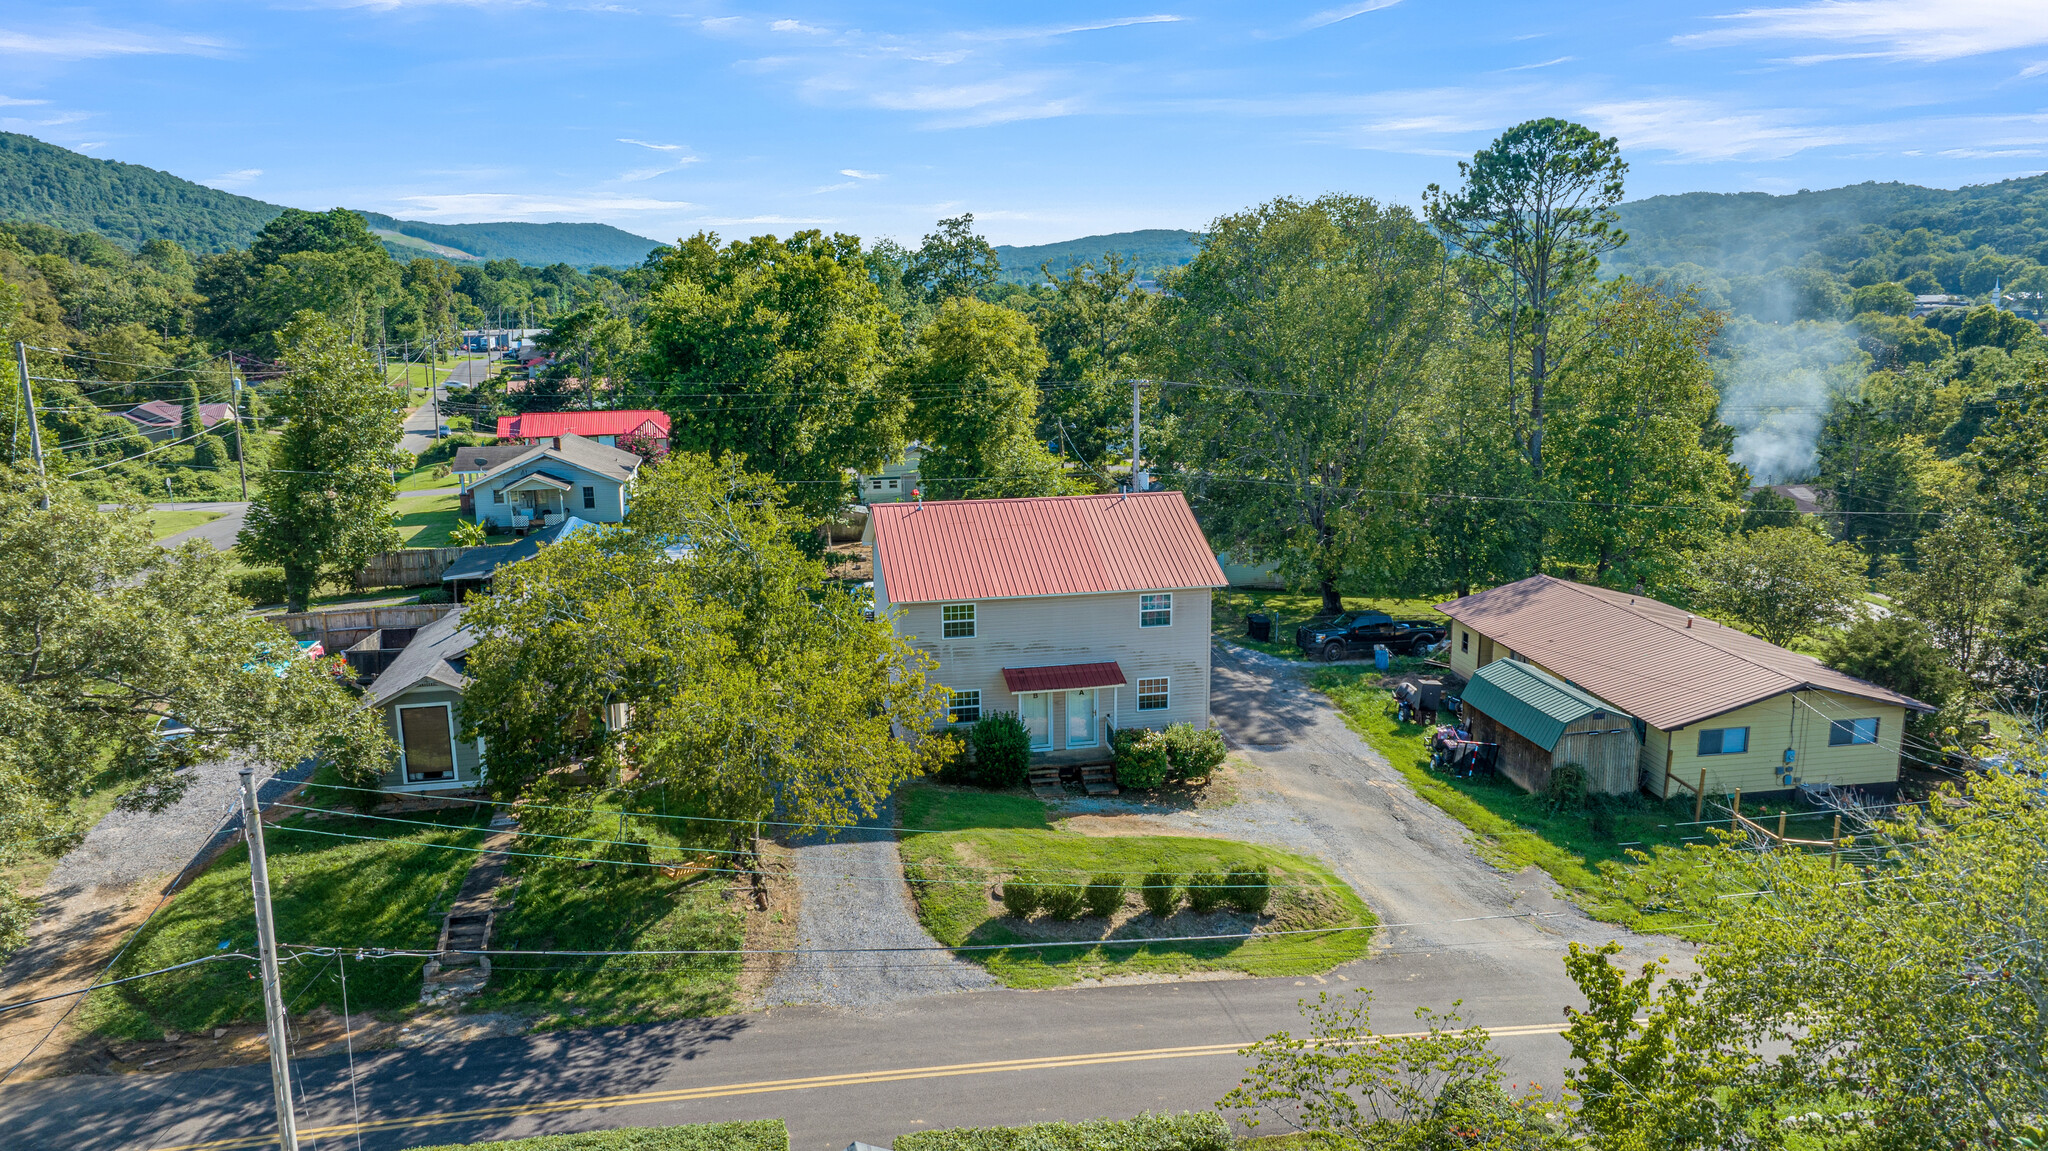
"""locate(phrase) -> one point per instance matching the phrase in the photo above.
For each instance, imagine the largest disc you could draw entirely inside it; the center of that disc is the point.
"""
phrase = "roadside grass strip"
(981, 838)
(164, 523)
(748, 1135)
(1631, 860)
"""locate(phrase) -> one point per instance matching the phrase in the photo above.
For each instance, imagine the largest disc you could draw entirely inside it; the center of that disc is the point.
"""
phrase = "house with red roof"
(162, 420)
(643, 429)
(1082, 614)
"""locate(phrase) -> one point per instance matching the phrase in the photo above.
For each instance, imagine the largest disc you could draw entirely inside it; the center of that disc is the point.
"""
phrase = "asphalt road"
(1457, 930)
(419, 426)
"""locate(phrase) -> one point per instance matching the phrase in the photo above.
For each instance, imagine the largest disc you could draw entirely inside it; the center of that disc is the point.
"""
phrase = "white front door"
(1036, 712)
(1081, 718)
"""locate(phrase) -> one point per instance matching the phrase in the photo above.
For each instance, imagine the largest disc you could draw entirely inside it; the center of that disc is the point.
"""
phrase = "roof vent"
(558, 443)
(1688, 621)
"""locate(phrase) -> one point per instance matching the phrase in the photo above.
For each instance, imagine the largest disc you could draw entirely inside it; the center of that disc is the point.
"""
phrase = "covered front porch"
(538, 501)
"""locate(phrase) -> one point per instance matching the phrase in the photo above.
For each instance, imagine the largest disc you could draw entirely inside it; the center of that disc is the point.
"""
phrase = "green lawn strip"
(170, 523)
(1005, 834)
(1188, 1131)
(1291, 610)
(575, 904)
(426, 523)
(747, 1135)
(1629, 860)
(389, 891)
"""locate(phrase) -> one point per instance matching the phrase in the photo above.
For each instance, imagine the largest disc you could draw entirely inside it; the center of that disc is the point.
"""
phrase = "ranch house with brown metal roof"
(1720, 709)
(1082, 614)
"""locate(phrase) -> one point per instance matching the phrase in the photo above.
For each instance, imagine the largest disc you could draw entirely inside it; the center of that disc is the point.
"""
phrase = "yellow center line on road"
(855, 1079)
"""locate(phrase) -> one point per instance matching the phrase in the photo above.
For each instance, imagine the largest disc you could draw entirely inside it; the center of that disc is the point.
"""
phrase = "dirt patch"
(1110, 826)
(89, 926)
(850, 562)
(773, 929)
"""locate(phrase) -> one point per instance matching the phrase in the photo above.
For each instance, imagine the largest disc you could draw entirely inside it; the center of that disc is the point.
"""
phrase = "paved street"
(975, 1057)
(419, 426)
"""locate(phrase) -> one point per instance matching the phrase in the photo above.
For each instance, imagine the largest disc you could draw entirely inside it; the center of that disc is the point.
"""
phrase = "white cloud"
(1544, 64)
(86, 42)
(1701, 130)
(857, 174)
(234, 179)
(721, 23)
(725, 220)
(1048, 31)
(1343, 12)
(638, 174)
(798, 27)
(1906, 30)
(656, 147)
(478, 206)
(89, 146)
(835, 187)
(11, 102)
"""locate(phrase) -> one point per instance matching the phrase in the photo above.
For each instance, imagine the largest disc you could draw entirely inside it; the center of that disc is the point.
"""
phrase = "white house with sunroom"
(1082, 614)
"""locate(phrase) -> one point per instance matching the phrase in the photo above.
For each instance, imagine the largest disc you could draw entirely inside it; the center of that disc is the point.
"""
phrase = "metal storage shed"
(1541, 721)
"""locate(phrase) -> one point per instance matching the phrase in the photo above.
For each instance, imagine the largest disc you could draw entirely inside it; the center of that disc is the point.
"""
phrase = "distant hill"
(1149, 250)
(131, 205)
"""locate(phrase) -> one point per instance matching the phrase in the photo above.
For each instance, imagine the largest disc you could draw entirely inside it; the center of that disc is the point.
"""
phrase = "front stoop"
(1099, 779)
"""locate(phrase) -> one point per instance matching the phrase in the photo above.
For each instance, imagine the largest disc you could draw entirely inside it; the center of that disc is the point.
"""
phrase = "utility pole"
(1138, 483)
(266, 946)
(241, 447)
(433, 391)
(35, 433)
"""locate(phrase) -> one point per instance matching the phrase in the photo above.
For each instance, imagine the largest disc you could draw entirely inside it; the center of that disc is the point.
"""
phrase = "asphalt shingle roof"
(428, 657)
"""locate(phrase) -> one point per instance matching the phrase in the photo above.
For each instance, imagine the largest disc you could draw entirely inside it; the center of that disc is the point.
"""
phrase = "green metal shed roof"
(1531, 702)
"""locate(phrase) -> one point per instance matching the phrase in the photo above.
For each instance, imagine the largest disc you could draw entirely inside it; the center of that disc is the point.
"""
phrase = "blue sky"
(1048, 121)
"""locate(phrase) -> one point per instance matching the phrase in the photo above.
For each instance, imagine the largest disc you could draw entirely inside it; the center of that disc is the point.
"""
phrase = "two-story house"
(894, 482)
(557, 478)
(1082, 614)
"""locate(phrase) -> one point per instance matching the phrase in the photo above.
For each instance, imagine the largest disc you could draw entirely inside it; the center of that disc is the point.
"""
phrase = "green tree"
(324, 502)
(953, 261)
(778, 352)
(1307, 328)
(1764, 508)
(1896, 651)
(1961, 585)
(2010, 457)
(1477, 529)
(593, 343)
(1886, 299)
(107, 644)
(1531, 222)
(1780, 583)
(973, 379)
(1097, 330)
(700, 646)
(1882, 481)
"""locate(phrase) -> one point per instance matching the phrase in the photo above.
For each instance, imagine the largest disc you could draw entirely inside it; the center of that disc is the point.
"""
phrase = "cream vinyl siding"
(1054, 630)
(1797, 720)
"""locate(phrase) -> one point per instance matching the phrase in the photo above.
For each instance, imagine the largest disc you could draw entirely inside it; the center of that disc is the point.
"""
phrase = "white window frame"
(404, 761)
(1043, 699)
(972, 619)
(1143, 610)
(1835, 725)
(1464, 640)
(954, 705)
(497, 495)
(892, 483)
(589, 496)
(1094, 724)
(1743, 750)
(1140, 692)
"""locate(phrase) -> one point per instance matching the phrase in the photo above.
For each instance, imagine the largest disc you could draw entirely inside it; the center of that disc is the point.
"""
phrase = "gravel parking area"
(854, 896)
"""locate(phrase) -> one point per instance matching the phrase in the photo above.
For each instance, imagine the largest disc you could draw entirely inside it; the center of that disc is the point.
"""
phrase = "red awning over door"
(1065, 677)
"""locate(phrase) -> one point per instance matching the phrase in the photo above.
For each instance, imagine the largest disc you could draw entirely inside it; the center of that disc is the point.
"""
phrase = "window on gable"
(1155, 610)
(958, 620)
(1153, 694)
(1843, 732)
(589, 496)
(1724, 741)
(964, 707)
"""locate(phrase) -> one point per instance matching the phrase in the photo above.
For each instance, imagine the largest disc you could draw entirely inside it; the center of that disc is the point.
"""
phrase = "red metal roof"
(1658, 662)
(1049, 545)
(1067, 677)
(540, 425)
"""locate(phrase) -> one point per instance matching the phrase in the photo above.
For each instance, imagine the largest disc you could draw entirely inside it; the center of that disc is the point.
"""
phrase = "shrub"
(1002, 750)
(209, 451)
(1192, 752)
(434, 595)
(1199, 1131)
(1141, 763)
(467, 534)
(1567, 787)
(1161, 893)
(1105, 894)
(751, 1135)
(1020, 896)
(259, 585)
(1602, 823)
(1251, 886)
(1061, 897)
(1206, 891)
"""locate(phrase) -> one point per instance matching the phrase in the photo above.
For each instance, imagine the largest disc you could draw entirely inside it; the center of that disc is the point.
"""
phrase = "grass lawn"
(325, 890)
(1292, 609)
(975, 838)
(1628, 860)
(426, 523)
(169, 523)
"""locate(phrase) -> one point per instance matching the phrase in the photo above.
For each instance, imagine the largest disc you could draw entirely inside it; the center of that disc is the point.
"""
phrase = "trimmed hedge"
(1199, 1131)
(259, 586)
(755, 1135)
(1002, 750)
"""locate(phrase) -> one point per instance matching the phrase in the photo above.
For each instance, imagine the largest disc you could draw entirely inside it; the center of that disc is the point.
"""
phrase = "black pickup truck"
(1356, 632)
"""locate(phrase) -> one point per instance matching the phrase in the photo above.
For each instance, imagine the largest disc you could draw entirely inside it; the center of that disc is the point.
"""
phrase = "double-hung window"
(1724, 741)
(1464, 640)
(957, 620)
(964, 707)
(1153, 694)
(1843, 732)
(497, 495)
(1155, 609)
(589, 496)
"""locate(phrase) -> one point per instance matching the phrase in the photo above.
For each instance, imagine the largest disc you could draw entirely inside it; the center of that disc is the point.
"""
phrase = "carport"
(1541, 721)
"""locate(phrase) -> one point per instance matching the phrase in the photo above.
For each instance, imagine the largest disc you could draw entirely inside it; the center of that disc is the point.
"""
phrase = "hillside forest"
(1338, 397)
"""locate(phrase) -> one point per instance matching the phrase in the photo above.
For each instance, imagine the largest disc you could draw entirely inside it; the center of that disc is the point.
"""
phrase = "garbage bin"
(1259, 626)
(1381, 658)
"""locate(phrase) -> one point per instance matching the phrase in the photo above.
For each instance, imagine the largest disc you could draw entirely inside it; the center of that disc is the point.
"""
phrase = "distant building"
(1928, 305)
(1805, 499)
(894, 482)
(640, 427)
(161, 420)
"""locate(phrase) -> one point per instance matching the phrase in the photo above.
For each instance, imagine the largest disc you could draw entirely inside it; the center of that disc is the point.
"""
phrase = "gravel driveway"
(854, 896)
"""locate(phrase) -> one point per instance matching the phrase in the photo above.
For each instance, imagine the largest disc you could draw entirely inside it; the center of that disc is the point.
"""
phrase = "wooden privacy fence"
(411, 567)
(339, 630)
